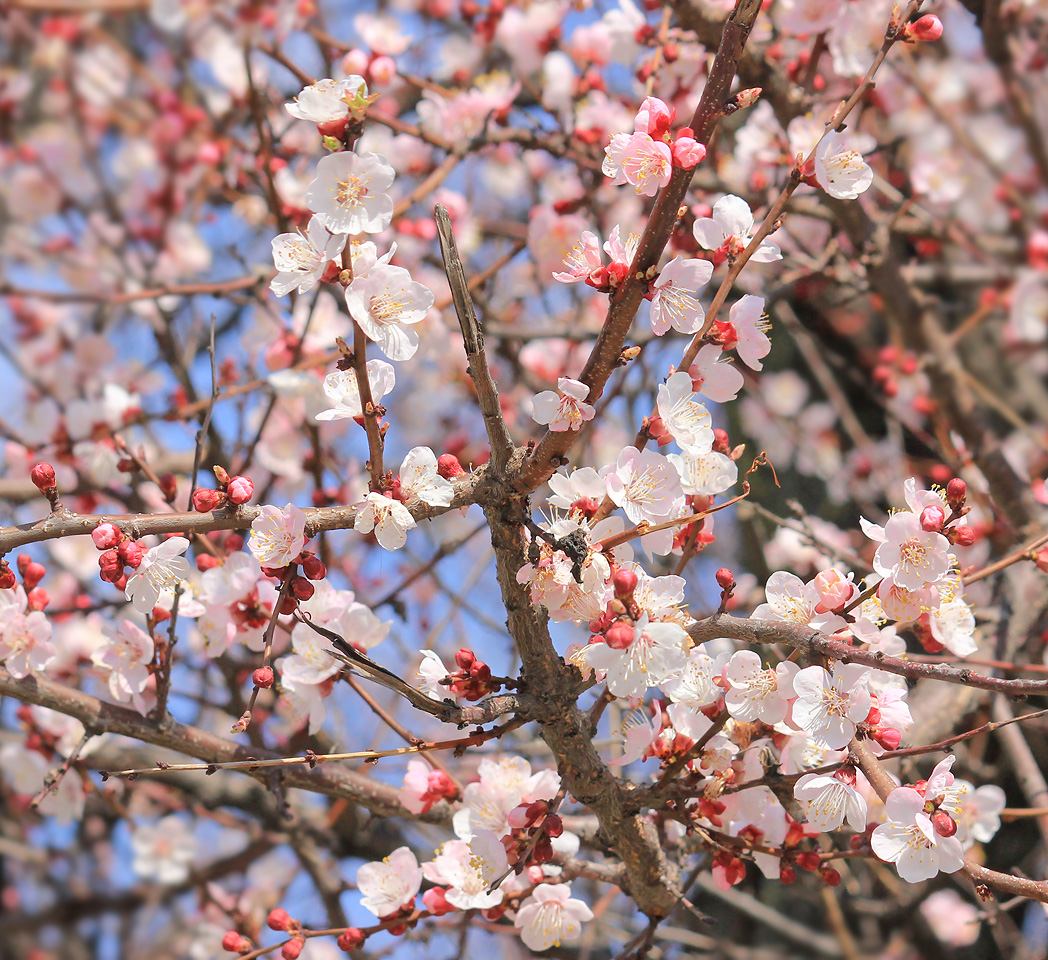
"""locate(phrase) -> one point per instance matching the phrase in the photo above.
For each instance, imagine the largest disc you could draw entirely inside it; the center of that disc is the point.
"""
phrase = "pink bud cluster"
(532, 827)
(472, 680)
(235, 490)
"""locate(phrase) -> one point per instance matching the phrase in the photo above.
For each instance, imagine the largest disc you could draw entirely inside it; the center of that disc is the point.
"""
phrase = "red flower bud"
(263, 677)
(23, 561)
(289, 606)
(448, 466)
(106, 536)
(944, 824)
(37, 599)
(240, 490)
(205, 561)
(932, 518)
(956, 492)
(43, 475)
(887, 737)
(786, 873)
(619, 635)
(352, 938)
(302, 588)
(236, 942)
(808, 860)
(313, 567)
(205, 500)
(830, 876)
(131, 553)
(34, 573)
(110, 566)
(963, 536)
(292, 948)
(7, 576)
(725, 578)
(927, 29)
(278, 918)
(464, 658)
(625, 582)
(721, 444)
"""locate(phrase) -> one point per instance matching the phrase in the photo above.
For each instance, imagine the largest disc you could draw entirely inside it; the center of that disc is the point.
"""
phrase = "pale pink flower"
(468, 870)
(953, 625)
(505, 783)
(751, 328)
(657, 651)
(162, 568)
(913, 557)
(583, 261)
(340, 387)
(644, 484)
(25, 770)
(909, 840)
(839, 169)
(730, 230)
(419, 478)
(278, 536)
(349, 192)
(899, 603)
(25, 637)
(312, 662)
(385, 303)
(390, 520)
(790, 599)
(673, 303)
(423, 787)
(955, 922)
(639, 160)
(653, 117)
(584, 485)
(163, 851)
(705, 474)
(755, 693)
(714, 375)
(829, 706)
(301, 260)
(390, 884)
(828, 801)
(688, 421)
(550, 917)
(976, 811)
(694, 685)
(127, 654)
(429, 674)
(329, 100)
(565, 409)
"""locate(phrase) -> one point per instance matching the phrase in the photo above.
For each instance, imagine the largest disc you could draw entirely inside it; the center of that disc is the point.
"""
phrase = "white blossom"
(340, 387)
(565, 409)
(162, 568)
(390, 884)
(329, 100)
(301, 260)
(385, 303)
(839, 169)
(687, 420)
(731, 228)
(673, 302)
(349, 192)
(390, 520)
(278, 536)
(419, 478)
(829, 706)
(551, 916)
(163, 851)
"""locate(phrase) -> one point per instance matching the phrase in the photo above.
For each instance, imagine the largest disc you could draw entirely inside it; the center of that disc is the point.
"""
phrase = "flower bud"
(313, 567)
(240, 490)
(34, 573)
(808, 860)
(110, 566)
(263, 677)
(944, 824)
(721, 443)
(130, 553)
(382, 71)
(236, 942)
(830, 877)
(106, 535)
(206, 561)
(619, 635)
(206, 500)
(887, 737)
(464, 658)
(932, 518)
(278, 918)
(292, 948)
(7, 576)
(220, 475)
(956, 493)
(353, 937)
(625, 582)
(302, 588)
(448, 466)
(23, 561)
(725, 578)
(43, 476)
(688, 152)
(37, 599)
(786, 873)
(928, 29)
(962, 536)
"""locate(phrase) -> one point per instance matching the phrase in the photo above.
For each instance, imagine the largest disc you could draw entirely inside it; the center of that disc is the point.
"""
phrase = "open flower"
(278, 536)
(390, 884)
(583, 261)
(550, 916)
(730, 230)
(390, 520)
(656, 652)
(714, 375)
(828, 801)
(644, 484)
(385, 303)
(564, 410)
(839, 169)
(687, 420)
(340, 387)
(301, 260)
(162, 568)
(349, 192)
(637, 159)
(909, 840)
(828, 707)
(469, 869)
(330, 100)
(673, 303)
(25, 638)
(755, 693)
(127, 653)
(419, 478)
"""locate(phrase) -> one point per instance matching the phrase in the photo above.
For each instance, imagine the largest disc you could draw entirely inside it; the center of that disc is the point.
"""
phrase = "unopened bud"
(7, 576)
(221, 475)
(725, 578)
(236, 942)
(313, 567)
(43, 475)
(206, 500)
(33, 574)
(887, 737)
(263, 677)
(932, 518)
(464, 658)
(292, 948)
(928, 29)
(619, 635)
(448, 466)
(721, 444)
(353, 937)
(625, 582)
(302, 588)
(278, 918)
(747, 98)
(962, 536)
(106, 536)
(240, 490)
(207, 561)
(830, 876)
(944, 824)
(956, 492)
(131, 553)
